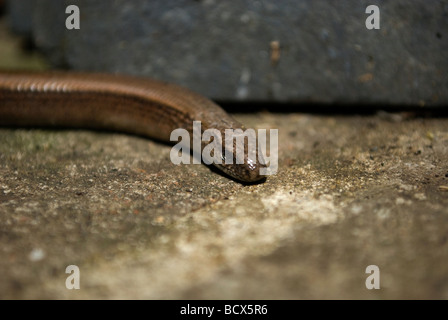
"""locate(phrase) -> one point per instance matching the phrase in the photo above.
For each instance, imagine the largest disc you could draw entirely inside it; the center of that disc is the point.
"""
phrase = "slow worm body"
(114, 102)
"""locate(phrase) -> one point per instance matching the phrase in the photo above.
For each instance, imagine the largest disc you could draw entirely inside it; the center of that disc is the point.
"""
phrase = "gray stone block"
(20, 15)
(223, 49)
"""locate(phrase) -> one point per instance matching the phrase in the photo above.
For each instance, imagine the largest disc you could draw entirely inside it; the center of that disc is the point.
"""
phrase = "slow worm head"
(116, 102)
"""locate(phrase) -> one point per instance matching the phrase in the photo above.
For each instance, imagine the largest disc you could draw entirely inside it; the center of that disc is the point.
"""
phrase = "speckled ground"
(351, 191)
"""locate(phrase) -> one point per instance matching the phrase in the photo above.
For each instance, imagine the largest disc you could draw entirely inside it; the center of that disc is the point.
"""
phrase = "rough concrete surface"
(351, 191)
(290, 51)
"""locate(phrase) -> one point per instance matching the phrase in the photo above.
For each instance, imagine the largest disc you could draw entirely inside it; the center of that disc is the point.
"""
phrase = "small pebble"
(36, 254)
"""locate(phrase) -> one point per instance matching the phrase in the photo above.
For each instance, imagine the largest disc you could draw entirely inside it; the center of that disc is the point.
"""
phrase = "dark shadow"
(223, 174)
(335, 109)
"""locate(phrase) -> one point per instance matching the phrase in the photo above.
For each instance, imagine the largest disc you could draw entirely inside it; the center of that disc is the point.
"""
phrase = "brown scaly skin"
(114, 102)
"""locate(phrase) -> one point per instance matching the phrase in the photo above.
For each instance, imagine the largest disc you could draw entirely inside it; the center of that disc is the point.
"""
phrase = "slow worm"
(114, 102)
